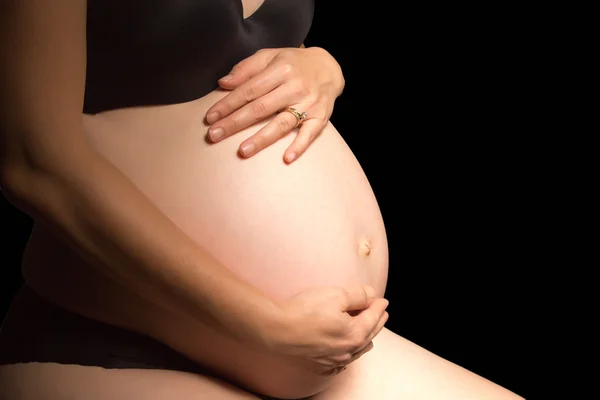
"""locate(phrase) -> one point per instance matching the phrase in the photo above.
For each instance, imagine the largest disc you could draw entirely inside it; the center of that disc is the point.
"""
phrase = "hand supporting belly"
(283, 228)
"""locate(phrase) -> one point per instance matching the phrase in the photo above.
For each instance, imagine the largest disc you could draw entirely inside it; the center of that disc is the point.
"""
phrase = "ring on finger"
(300, 115)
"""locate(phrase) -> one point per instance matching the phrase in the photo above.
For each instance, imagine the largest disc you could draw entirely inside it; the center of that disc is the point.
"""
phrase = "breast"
(168, 52)
(281, 227)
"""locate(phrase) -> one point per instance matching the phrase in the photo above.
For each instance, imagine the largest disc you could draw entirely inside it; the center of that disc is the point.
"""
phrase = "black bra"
(151, 52)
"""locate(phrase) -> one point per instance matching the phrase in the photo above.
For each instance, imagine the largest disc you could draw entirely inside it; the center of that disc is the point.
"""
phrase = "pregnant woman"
(191, 242)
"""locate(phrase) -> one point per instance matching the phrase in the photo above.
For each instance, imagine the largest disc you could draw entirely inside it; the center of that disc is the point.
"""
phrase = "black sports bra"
(151, 52)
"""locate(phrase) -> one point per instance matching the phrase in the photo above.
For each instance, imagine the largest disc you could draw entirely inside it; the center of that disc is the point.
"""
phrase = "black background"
(417, 111)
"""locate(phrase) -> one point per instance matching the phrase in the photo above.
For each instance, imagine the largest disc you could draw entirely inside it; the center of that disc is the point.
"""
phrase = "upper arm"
(42, 82)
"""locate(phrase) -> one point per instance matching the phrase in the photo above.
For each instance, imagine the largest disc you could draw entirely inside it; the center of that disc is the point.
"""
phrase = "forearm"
(97, 210)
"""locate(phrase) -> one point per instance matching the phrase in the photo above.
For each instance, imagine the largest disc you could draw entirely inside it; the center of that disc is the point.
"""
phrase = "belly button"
(364, 248)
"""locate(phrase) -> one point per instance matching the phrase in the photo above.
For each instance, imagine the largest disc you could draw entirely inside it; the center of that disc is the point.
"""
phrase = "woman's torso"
(281, 227)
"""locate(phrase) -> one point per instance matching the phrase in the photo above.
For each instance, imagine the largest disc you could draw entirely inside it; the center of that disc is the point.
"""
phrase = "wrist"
(247, 314)
(270, 324)
(338, 77)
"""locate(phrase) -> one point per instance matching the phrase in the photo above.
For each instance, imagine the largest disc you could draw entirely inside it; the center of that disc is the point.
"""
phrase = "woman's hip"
(36, 330)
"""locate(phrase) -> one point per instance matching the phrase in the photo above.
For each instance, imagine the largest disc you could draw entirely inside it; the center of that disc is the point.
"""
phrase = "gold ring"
(300, 116)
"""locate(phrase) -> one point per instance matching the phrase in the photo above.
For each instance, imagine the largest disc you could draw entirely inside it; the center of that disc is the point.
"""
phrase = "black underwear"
(35, 330)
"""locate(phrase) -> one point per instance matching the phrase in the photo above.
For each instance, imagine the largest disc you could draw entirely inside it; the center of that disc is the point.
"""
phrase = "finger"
(309, 130)
(250, 114)
(280, 126)
(316, 366)
(327, 363)
(320, 364)
(332, 361)
(368, 320)
(360, 353)
(333, 371)
(344, 359)
(249, 91)
(358, 298)
(247, 68)
(380, 325)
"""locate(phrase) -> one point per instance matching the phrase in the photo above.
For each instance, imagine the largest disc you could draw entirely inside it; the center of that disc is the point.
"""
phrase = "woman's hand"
(329, 327)
(271, 80)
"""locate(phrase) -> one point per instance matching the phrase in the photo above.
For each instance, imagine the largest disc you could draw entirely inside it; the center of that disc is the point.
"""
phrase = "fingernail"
(226, 77)
(213, 117)
(216, 133)
(290, 157)
(247, 149)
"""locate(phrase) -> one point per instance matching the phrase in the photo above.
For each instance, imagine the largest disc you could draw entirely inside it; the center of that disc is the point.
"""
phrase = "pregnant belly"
(281, 227)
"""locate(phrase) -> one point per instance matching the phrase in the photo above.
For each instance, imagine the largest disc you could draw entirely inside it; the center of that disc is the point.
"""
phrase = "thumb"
(359, 298)
(247, 68)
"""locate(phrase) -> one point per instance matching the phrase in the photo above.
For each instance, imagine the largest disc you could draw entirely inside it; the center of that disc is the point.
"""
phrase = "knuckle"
(340, 328)
(226, 109)
(248, 93)
(233, 124)
(341, 294)
(299, 90)
(315, 99)
(286, 69)
(259, 109)
(285, 53)
(284, 125)
(370, 324)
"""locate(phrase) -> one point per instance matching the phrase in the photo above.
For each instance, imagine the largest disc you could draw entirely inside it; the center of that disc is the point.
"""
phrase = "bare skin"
(250, 6)
(62, 382)
(393, 369)
(289, 196)
(55, 167)
(336, 223)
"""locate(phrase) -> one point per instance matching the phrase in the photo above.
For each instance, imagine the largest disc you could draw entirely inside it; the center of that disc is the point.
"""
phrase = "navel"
(364, 248)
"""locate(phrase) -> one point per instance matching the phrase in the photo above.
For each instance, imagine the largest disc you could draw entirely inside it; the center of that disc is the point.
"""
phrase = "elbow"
(42, 195)
(40, 168)
(32, 171)
(39, 161)
(19, 188)
(33, 187)
(12, 182)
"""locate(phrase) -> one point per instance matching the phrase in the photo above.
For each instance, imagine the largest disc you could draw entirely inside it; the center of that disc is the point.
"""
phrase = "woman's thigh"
(50, 381)
(397, 369)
